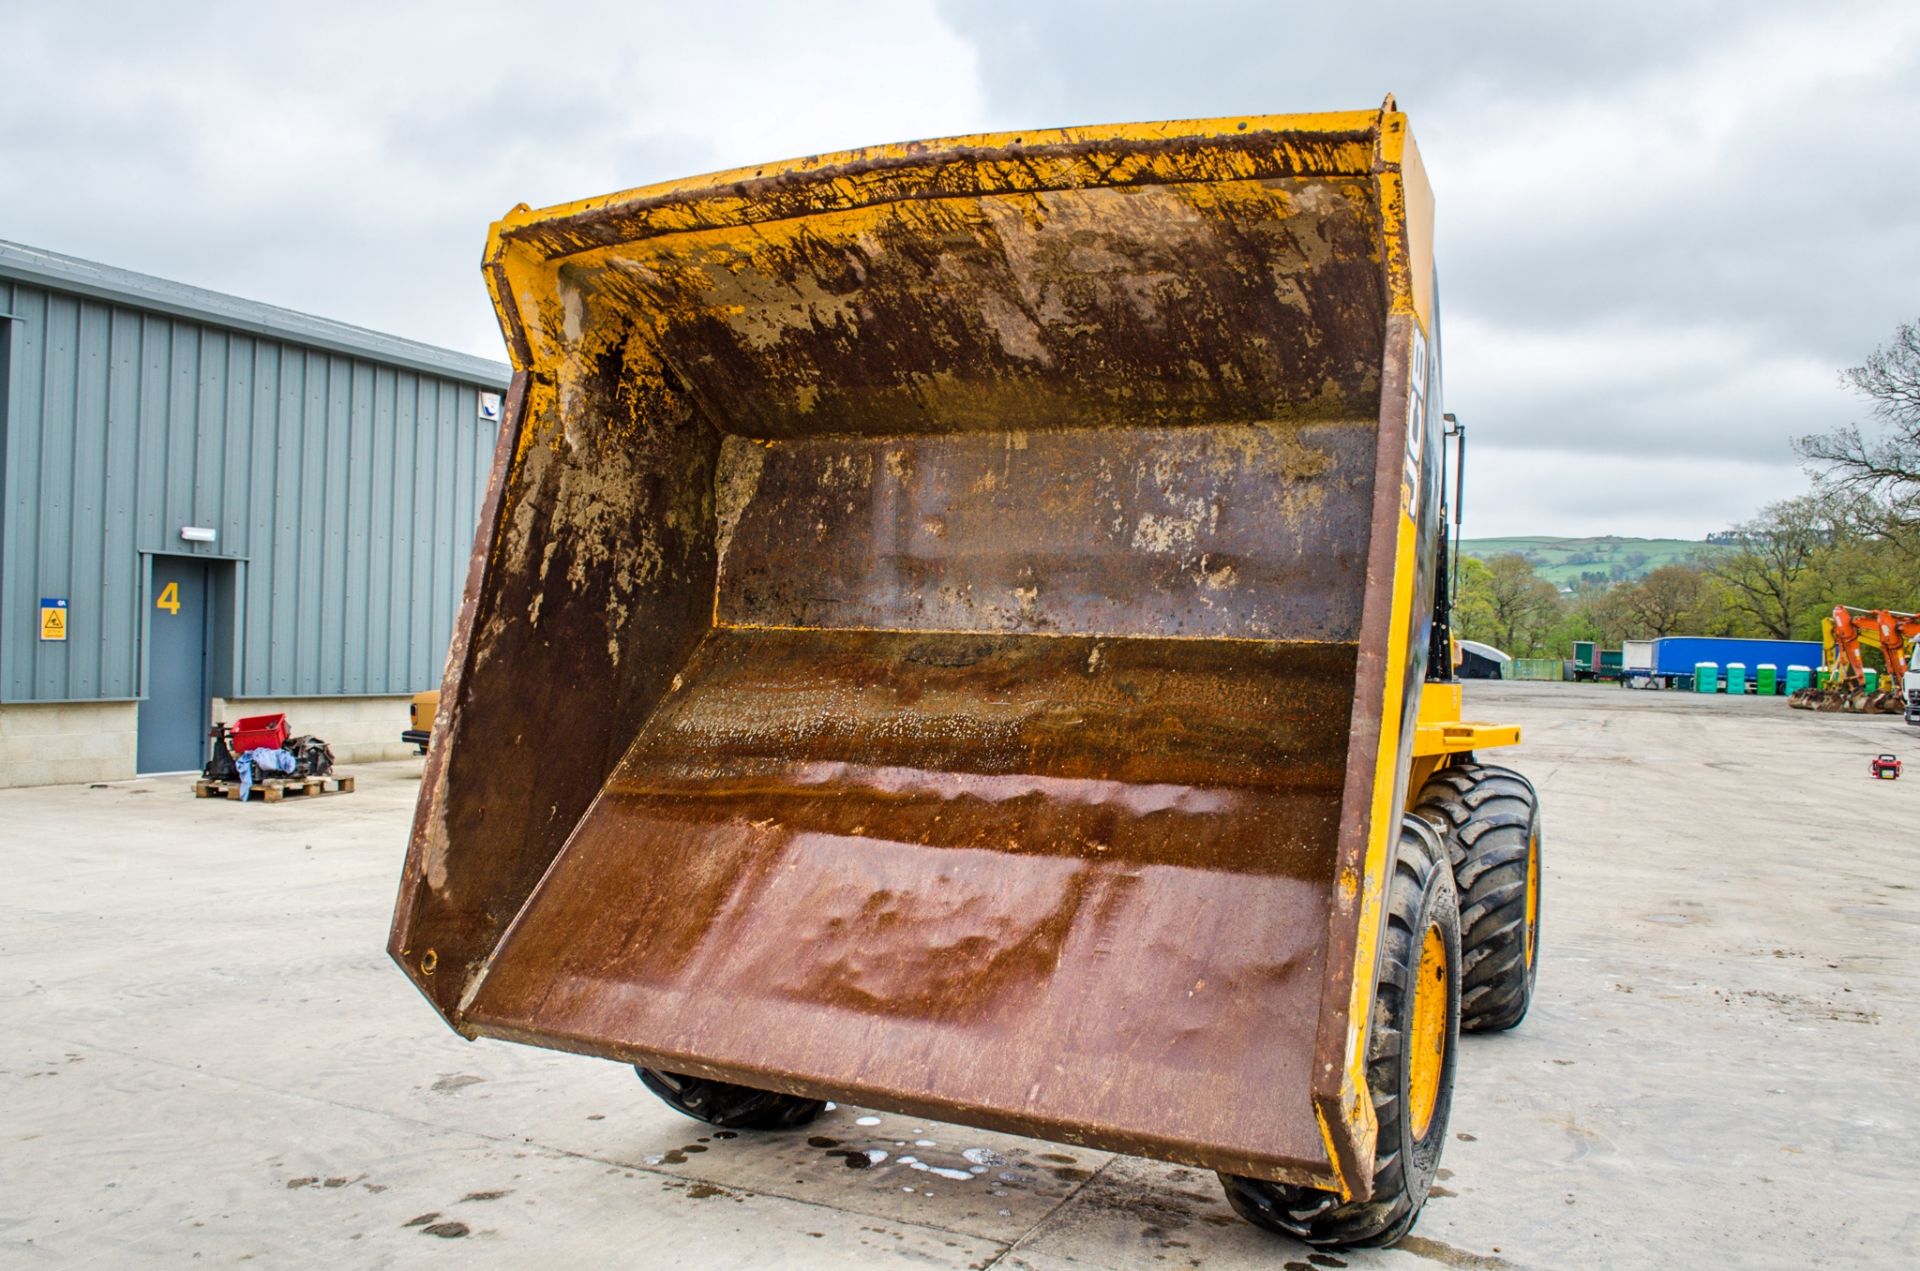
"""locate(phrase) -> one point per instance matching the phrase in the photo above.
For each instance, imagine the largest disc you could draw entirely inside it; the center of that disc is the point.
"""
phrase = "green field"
(1563, 561)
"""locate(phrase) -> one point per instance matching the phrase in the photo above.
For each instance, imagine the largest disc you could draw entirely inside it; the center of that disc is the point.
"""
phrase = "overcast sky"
(1661, 234)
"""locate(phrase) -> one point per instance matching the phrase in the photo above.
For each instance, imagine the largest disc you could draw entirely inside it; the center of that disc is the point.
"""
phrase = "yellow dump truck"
(960, 628)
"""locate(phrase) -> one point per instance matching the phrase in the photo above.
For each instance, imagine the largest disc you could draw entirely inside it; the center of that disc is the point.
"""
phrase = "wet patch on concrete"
(451, 1081)
(1452, 1255)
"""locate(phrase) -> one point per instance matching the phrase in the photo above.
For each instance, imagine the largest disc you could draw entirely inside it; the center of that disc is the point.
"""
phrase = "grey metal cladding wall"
(343, 491)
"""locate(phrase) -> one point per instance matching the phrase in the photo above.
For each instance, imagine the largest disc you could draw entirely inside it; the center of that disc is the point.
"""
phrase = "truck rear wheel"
(729, 1106)
(1489, 818)
(1411, 1040)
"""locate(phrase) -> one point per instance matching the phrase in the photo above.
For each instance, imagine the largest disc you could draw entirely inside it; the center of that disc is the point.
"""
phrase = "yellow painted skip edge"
(1340, 1183)
(1381, 841)
(1031, 139)
(526, 274)
(1408, 232)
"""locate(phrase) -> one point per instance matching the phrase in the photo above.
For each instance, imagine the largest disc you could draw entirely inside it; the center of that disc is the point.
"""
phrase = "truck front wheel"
(1411, 1039)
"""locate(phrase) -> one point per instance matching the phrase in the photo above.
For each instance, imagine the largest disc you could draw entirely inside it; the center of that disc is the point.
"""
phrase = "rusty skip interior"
(913, 648)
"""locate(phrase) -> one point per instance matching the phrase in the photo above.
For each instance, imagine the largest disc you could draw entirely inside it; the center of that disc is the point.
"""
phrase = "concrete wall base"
(57, 743)
(53, 743)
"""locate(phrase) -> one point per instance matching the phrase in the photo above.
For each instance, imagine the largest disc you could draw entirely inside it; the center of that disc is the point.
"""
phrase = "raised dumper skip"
(954, 629)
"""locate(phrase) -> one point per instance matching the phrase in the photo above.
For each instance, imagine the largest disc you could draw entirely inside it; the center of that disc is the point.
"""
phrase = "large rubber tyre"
(729, 1106)
(1416, 1002)
(1489, 818)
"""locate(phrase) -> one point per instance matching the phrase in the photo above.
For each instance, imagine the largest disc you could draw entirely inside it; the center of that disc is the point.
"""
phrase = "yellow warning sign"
(53, 618)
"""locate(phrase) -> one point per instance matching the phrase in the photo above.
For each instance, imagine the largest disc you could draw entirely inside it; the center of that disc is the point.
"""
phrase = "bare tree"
(1879, 472)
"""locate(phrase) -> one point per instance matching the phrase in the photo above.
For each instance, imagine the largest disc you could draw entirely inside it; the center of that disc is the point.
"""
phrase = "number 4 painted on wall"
(169, 599)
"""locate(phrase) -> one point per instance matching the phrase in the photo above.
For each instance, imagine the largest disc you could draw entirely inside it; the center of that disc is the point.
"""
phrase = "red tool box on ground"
(256, 731)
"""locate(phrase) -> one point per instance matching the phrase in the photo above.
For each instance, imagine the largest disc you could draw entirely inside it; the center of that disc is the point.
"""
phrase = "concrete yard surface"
(205, 1056)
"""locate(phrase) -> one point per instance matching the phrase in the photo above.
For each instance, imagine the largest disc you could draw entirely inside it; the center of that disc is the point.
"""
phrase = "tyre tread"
(1486, 814)
(730, 1106)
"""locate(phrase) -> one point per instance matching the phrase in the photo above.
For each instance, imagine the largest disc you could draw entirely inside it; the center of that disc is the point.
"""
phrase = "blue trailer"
(1674, 658)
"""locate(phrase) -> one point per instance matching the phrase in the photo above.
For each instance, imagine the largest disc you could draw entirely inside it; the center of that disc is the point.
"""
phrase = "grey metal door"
(173, 716)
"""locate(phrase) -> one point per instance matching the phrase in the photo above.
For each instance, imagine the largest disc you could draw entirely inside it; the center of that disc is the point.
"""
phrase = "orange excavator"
(1844, 636)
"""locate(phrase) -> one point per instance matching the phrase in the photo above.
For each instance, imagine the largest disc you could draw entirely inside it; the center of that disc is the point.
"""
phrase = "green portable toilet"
(1706, 677)
(1799, 677)
(1820, 677)
(1737, 678)
(1766, 679)
(1873, 680)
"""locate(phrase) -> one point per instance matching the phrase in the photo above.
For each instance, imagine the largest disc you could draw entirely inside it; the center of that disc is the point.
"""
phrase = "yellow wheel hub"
(1533, 892)
(1429, 1040)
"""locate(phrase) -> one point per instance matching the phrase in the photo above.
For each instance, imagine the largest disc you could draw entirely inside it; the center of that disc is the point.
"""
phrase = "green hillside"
(1564, 561)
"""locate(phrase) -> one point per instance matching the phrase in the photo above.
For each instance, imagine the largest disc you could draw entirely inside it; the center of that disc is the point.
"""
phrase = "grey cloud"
(1539, 491)
(349, 163)
(1663, 227)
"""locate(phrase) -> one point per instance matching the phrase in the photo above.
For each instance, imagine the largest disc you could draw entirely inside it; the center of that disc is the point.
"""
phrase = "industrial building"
(214, 508)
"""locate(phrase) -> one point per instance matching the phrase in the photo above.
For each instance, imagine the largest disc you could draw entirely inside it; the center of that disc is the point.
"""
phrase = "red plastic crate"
(256, 731)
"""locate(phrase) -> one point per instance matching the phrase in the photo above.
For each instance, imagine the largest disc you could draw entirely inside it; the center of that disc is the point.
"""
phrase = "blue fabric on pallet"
(266, 760)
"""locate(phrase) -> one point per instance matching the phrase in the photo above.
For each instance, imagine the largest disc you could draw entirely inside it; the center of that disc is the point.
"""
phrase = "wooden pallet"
(274, 789)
